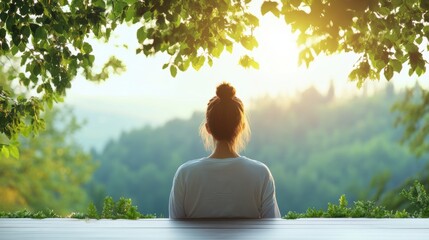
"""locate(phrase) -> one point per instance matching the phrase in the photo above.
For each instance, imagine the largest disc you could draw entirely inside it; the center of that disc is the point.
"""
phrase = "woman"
(224, 184)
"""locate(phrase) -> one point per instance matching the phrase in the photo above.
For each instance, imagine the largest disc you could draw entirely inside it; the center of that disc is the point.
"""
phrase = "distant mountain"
(100, 127)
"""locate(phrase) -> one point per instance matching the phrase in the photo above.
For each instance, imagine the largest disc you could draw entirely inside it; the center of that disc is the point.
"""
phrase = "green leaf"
(16, 39)
(87, 48)
(173, 70)
(419, 71)
(410, 72)
(5, 151)
(217, 51)
(2, 33)
(380, 64)
(34, 28)
(39, 88)
(343, 201)
(50, 103)
(141, 34)
(99, 3)
(91, 59)
(397, 3)
(185, 65)
(36, 69)
(249, 42)
(165, 66)
(4, 46)
(58, 28)
(198, 62)
(254, 64)
(22, 47)
(384, 11)
(14, 151)
(14, 50)
(118, 7)
(396, 65)
(201, 60)
(419, 40)
(388, 72)
(269, 6)
(40, 33)
(247, 62)
(147, 15)
(252, 19)
(130, 13)
(229, 48)
(410, 47)
(26, 31)
(38, 8)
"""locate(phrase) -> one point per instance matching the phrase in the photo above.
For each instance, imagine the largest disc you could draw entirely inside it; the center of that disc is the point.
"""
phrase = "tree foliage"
(50, 39)
(414, 116)
(52, 169)
(386, 34)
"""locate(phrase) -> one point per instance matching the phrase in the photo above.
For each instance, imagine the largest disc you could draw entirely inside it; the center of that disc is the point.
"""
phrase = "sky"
(147, 94)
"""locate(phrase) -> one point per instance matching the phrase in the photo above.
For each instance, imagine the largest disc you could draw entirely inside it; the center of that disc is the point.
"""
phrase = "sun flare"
(277, 44)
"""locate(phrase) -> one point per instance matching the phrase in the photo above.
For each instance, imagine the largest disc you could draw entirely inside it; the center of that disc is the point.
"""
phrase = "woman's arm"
(270, 209)
(176, 207)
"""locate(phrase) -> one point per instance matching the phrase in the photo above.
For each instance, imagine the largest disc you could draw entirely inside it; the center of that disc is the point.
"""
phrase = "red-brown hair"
(226, 119)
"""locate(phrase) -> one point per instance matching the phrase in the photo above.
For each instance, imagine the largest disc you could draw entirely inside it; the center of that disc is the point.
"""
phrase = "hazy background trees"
(318, 147)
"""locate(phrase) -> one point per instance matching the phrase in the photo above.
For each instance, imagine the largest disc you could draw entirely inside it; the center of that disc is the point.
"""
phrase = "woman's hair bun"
(225, 91)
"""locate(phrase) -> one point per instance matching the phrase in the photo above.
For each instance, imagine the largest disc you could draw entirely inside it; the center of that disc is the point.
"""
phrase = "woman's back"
(225, 184)
(223, 188)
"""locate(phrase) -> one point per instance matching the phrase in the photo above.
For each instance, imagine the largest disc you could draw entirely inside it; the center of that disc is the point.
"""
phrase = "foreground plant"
(416, 194)
(419, 199)
(122, 209)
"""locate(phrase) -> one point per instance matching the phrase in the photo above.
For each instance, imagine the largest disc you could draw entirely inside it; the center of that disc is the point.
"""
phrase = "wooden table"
(165, 229)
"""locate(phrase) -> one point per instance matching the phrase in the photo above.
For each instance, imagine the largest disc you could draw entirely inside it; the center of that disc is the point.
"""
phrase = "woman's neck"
(223, 150)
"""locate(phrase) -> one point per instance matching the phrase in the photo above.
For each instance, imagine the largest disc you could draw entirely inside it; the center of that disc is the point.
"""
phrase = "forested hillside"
(317, 147)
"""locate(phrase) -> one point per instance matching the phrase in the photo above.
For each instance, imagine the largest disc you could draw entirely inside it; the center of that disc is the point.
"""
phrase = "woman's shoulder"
(253, 161)
(256, 164)
(204, 162)
(190, 164)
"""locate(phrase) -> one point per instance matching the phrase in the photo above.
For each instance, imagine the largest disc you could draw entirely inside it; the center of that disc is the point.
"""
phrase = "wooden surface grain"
(266, 229)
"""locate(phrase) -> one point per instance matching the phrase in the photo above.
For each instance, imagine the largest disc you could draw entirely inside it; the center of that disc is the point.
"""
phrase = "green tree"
(50, 39)
(52, 169)
(414, 109)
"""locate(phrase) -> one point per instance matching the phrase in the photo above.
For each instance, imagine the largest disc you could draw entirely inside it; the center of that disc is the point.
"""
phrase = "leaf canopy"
(49, 39)
(385, 33)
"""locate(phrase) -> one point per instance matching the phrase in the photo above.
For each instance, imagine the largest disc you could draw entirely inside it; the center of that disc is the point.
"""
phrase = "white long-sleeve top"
(223, 188)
